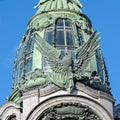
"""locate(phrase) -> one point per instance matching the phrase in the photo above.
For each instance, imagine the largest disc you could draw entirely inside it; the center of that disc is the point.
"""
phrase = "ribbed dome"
(53, 5)
(63, 32)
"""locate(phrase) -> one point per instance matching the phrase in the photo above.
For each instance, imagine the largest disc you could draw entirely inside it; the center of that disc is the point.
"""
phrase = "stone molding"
(94, 93)
(95, 106)
(8, 109)
(80, 87)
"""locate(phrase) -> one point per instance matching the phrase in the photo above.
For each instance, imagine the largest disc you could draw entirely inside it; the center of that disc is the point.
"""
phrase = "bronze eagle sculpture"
(73, 63)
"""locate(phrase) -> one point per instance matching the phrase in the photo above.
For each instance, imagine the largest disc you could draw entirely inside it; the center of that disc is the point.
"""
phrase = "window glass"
(70, 48)
(49, 37)
(59, 22)
(99, 67)
(20, 52)
(30, 44)
(69, 38)
(28, 64)
(60, 38)
(67, 23)
(17, 74)
(20, 70)
(62, 35)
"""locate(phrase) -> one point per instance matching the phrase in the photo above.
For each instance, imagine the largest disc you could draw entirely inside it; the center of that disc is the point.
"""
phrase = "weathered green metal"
(72, 65)
(54, 5)
(49, 11)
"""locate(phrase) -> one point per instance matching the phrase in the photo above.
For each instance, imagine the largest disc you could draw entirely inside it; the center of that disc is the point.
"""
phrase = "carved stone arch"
(9, 111)
(60, 104)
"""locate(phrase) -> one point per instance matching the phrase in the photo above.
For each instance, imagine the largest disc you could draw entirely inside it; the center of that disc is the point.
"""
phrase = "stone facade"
(36, 101)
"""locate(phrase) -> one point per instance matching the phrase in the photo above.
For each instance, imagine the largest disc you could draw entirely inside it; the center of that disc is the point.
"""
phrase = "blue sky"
(14, 15)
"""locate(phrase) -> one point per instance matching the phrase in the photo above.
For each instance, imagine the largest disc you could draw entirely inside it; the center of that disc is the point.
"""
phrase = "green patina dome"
(62, 24)
(53, 5)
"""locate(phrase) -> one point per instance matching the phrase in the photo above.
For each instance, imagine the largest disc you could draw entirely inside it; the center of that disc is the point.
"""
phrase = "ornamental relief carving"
(69, 111)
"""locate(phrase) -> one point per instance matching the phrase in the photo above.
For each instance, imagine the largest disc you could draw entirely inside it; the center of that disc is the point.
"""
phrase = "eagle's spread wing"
(52, 55)
(46, 49)
(85, 53)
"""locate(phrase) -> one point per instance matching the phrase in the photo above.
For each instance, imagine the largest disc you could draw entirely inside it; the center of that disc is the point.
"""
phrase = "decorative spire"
(51, 5)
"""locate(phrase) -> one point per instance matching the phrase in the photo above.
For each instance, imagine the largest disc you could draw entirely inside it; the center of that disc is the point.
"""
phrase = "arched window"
(64, 36)
(29, 51)
(61, 35)
(24, 58)
(28, 64)
(30, 42)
